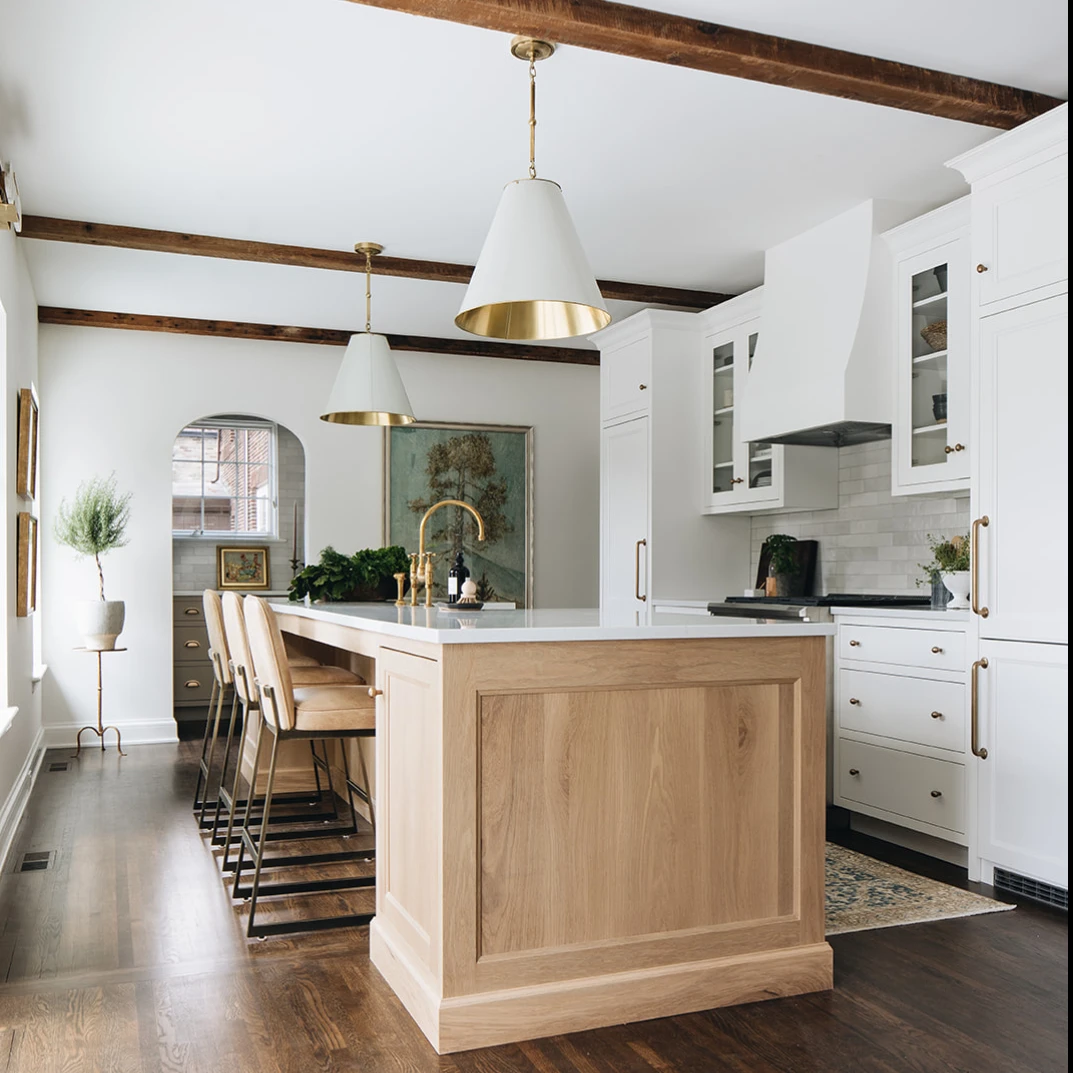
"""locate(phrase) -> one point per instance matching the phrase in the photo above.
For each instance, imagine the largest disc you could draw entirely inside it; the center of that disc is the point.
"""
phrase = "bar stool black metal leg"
(198, 801)
(248, 809)
(258, 854)
(205, 802)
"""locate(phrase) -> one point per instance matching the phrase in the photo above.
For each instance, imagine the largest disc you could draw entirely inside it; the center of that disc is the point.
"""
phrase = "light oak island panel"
(579, 833)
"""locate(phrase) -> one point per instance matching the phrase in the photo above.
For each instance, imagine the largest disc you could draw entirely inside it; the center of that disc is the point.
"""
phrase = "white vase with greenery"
(95, 523)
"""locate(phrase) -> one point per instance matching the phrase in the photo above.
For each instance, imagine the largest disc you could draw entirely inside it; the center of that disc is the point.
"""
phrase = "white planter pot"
(959, 584)
(100, 622)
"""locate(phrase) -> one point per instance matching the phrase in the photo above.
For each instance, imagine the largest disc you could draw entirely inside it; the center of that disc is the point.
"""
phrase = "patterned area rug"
(863, 893)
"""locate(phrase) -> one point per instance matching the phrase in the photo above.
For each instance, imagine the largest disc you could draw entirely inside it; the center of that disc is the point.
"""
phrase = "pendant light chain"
(532, 112)
(368, 291)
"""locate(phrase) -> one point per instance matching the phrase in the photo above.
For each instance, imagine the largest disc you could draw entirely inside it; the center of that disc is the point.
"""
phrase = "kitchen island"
(584, 821)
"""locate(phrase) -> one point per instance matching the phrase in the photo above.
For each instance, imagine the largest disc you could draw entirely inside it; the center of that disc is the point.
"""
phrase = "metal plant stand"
(100, 728)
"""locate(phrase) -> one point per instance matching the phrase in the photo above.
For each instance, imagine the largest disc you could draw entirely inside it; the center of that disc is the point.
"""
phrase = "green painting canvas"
(488, 467)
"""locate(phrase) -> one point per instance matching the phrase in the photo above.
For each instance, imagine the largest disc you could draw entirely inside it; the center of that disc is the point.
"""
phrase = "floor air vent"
(60, 765)
(1032, 888)
(35, 862)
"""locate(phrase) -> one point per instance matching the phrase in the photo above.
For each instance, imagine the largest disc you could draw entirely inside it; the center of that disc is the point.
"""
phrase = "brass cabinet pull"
(975, 708)
(936, 793)
(192, 683)
(637, 569)
(642, 387)
(854, 700)
(981, 268)
(737, 480)
(855, 644)
(192, 611)
(936, 715)
(974, 551)
(374, 692)
(854, 771)
(192, 644)
(957, 447)
(935, 649)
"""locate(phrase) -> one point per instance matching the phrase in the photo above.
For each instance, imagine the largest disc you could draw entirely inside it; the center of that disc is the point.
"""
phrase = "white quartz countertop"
(952, 618)
(434, 626)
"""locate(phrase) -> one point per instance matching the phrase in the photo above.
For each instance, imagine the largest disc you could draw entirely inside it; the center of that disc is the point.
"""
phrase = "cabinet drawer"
(903, 784)
(188, 610)
(919, 710)
(191, 644)
(192, 683)
(625, 375)
(937, 649)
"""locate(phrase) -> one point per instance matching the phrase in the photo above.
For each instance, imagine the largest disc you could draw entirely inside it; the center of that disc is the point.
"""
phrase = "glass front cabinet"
(739, 476)
(930, 433)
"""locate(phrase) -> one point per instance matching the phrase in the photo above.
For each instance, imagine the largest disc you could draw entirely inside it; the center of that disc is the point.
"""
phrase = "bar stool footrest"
(308, 886)
(355, 920)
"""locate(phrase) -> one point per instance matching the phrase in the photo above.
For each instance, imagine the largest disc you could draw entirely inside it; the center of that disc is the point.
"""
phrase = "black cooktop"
(837, 599)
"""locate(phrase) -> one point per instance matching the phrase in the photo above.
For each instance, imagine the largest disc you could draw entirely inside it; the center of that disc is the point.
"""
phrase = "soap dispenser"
(456, 577)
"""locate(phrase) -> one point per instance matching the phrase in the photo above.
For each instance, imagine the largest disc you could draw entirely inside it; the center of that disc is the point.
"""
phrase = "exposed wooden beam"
(280, 333)
(140, 238)
(706, 46)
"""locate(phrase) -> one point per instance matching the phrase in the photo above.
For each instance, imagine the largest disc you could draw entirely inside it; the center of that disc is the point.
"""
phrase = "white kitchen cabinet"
(1022, 464)
(930, 445)
(1023, 784)
(655, 543)
(745, 477)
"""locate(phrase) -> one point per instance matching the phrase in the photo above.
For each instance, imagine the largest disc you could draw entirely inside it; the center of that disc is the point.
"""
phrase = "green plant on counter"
(948, 557)
(96, 520)
(365, 575)
(782, 559)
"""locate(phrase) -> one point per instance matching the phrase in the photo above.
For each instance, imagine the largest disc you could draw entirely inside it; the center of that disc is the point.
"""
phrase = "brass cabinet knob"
(936, 715)
(192, 611)
(192, 644)
(854, 700)
(981, 268)
(935, 650)
(642, 387)
(855, 644)
(936, 793)
(957, 447)
(737, 480)
(854, 771)
(374, 692)
(192, 683)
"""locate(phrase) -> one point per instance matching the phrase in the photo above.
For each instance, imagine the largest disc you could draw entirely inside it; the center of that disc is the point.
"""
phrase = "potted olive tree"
(95, 523)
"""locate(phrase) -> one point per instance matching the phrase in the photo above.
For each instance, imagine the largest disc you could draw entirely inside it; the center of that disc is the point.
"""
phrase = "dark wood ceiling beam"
(51, 229)
(280, 333)
(706, 46)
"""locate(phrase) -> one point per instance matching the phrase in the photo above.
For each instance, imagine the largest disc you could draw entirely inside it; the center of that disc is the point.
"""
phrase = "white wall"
(115, 402)
(19, 350)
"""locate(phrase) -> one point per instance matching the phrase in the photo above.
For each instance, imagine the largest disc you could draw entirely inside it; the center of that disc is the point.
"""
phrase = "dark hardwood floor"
(126, 955)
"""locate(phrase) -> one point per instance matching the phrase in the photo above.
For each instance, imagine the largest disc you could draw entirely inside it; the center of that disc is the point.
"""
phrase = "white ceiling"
(322, 122)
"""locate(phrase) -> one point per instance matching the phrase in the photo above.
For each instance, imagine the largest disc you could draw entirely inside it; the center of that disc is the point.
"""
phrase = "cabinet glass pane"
(723, 418)
(928, 358)
(759, 453)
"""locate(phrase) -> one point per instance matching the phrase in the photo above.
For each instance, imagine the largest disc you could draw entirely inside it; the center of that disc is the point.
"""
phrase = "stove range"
(809, 608)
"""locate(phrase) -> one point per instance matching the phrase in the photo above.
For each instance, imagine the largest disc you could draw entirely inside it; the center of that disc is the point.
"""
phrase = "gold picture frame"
(26, 474)
(26, 565)
(244, 567)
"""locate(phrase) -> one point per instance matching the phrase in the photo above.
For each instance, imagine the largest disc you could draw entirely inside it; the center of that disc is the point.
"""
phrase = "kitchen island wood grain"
(581, 832)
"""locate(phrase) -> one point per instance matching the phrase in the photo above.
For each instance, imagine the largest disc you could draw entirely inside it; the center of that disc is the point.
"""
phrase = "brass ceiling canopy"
(531, 48)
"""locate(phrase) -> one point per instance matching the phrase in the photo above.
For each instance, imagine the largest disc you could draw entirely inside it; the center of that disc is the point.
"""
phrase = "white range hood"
(821, 375)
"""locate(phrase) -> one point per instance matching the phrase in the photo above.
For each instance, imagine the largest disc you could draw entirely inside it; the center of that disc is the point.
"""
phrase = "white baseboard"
(149, 732)
(15, 805)
(908, 839)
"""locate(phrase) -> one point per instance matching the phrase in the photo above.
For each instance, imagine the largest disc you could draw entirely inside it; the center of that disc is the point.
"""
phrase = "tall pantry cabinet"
(655, 542)
(1019, 481)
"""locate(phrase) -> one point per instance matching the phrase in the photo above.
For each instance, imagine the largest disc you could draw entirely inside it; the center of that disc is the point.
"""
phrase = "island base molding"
(493, 1018)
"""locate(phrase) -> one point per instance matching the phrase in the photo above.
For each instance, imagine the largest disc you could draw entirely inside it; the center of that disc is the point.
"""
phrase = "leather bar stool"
(290, 712)
(305, 673)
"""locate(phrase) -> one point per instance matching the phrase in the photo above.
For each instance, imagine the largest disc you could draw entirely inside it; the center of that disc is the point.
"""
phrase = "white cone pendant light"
(532, 280)
(368, 389)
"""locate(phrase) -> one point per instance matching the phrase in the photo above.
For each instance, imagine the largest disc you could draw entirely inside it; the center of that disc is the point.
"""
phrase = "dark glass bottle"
(456, 576)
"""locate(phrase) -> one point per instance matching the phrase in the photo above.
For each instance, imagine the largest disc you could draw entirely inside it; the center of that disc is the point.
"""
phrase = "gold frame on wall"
(26, 472)
(26, 565)
(222, 551)
(451, 426)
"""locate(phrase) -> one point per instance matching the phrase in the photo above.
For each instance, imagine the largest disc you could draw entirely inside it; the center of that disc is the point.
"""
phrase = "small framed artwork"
(26, 475)
(242, 567)
(26, 565)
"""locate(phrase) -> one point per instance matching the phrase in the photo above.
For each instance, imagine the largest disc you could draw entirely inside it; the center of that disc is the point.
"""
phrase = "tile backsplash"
(873, 541)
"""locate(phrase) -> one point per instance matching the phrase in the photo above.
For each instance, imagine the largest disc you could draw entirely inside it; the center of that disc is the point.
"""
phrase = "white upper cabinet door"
(1021, 553)
(625, 379)
(1020, 232)
(1022, 717)
(625, 536)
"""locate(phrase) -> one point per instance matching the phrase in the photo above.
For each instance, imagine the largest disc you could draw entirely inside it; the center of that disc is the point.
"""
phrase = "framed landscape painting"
(242, 568)
(488, 466)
